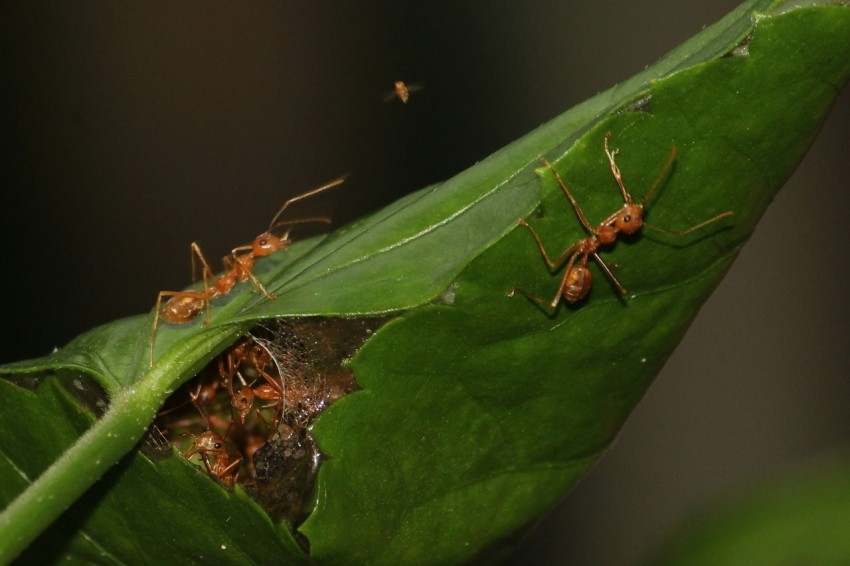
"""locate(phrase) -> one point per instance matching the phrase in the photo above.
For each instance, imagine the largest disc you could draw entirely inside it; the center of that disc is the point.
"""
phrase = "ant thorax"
(606, 233)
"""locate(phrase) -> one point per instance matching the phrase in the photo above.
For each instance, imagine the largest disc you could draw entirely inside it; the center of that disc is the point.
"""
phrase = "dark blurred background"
(130, 130)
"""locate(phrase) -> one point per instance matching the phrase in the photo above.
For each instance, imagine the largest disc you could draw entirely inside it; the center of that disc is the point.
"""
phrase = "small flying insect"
(401, 91)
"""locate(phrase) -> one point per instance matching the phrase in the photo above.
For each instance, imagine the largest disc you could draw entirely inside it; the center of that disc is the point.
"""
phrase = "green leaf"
(476, 417)
(799, 519)
(191, 520)
(479, 411)
(111, 353)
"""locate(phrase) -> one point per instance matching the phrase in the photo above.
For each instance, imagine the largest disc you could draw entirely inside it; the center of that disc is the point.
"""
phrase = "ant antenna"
(323, 219)
(334, 183)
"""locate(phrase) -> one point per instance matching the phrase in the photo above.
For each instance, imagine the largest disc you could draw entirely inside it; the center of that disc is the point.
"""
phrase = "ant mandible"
(184, 306)
(577, 279)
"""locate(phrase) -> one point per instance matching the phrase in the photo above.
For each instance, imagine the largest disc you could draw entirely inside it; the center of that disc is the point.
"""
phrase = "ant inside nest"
(245, 418)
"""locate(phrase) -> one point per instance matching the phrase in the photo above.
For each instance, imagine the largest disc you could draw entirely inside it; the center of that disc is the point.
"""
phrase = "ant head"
(629, 219)
(209, 442)
(267, 243)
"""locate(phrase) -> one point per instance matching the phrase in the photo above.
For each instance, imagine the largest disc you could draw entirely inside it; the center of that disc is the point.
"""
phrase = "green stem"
(105, 443)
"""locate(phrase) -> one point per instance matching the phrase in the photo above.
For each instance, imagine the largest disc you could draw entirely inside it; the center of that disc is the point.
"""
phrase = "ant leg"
(573, 201)
(195, 252)
(226, 471)
(533, 297)
(610, 274)
(560, 292)
(207, 272)
(231, 261)
(154, 325)
(277, 396)
(661, 174)
(552, 264)
(247, 271)
(206, 459)
(227, 375)
(554, 302)
(692, 228)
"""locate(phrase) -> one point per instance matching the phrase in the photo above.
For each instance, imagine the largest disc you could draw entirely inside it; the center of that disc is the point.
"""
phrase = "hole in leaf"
(245, 418)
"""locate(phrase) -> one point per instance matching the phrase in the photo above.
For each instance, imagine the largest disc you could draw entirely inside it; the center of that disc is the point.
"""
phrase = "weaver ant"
(255, 355)
(210, 445)
(577, 279)
(229, 365)
(184, 306)
(273, 391)
(284, 384)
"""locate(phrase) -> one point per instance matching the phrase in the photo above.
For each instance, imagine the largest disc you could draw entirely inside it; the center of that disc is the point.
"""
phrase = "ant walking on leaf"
(576, 282)
(184, 306)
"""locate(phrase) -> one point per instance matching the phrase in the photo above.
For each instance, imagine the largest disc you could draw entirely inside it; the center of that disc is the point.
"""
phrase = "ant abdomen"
(577, 284)
(182, 308)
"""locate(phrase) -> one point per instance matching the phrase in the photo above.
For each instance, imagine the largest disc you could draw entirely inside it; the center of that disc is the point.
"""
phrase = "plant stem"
(114, 435)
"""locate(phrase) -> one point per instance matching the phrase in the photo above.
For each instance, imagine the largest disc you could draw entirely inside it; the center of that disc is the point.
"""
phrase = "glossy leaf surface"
(172, 507)
(477, 416)
(479, 411)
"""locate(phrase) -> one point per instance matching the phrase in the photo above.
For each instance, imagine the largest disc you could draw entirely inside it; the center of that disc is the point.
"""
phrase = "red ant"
(576, 281)
(184, 306)
(274, 391)
(211, 444)
(259, 357)
(255, 355)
